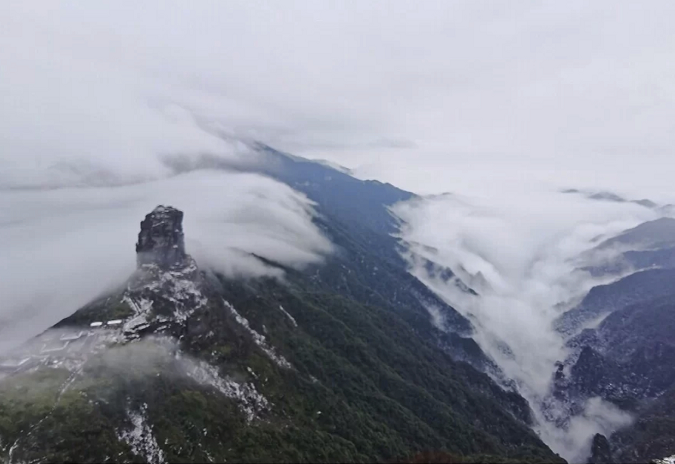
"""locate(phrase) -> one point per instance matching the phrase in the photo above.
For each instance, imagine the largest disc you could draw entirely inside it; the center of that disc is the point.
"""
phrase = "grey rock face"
(600, 450)
(161, 240)
(606, 299)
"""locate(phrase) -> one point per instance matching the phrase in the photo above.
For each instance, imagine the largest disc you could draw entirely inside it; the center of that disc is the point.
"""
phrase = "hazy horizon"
(436, 97)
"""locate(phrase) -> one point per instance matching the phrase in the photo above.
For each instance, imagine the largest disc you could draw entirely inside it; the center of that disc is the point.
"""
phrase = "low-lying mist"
(520, 252)
(104, 366)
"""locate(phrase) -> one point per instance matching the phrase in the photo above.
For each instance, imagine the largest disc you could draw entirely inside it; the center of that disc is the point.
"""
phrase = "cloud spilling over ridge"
(83, 160)
(63, 247)
(84, 156)
(94, 114)
(520, 253)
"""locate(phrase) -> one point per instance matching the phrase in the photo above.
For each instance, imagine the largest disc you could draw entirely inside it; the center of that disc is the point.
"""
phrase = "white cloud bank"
(81, 148)
(63, 247)
(520, 251)
(92, 102)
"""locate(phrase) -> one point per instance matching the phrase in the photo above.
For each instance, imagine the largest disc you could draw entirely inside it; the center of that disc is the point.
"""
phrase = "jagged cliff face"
(166, 291)
(123, 359)
(161, 240)
(183, 366)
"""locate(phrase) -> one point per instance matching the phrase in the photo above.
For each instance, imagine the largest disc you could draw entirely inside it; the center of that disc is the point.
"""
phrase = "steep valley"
(584, 333)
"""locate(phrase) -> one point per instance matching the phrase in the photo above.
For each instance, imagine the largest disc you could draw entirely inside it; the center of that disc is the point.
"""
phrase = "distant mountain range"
(667, 209)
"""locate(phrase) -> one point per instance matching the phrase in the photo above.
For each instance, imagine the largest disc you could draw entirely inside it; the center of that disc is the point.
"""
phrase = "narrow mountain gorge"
(581, 324)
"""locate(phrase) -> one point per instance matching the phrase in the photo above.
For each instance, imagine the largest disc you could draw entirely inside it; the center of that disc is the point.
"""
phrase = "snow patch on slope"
(250, 401)
(140, 438)
(292, 319)
(180, 287)
(259, 339)
(141, 308)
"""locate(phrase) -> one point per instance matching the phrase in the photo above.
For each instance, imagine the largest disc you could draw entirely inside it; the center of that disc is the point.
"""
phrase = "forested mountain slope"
(339, 362)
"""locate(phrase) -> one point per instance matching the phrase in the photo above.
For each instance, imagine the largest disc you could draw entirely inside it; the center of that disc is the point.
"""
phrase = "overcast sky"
(434, 95)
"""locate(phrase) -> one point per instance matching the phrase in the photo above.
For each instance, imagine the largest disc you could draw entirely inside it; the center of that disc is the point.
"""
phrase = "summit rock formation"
(161, 240)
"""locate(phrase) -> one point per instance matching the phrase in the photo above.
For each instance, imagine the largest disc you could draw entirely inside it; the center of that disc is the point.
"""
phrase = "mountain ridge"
(178, 350)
